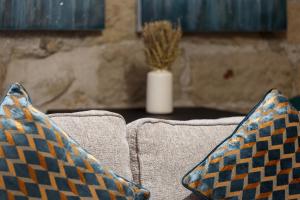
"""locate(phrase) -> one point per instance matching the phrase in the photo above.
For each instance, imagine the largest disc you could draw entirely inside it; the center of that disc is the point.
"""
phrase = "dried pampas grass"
(161, 44)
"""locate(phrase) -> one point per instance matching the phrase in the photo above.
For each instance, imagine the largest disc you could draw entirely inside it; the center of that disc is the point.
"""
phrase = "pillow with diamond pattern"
(39, 160)
(260, 160)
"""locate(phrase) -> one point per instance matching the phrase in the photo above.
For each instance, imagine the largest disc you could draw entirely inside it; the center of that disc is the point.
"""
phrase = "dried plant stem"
(161, 44)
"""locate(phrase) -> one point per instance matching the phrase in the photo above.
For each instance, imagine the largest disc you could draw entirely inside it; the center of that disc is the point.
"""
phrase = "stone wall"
(64, 70)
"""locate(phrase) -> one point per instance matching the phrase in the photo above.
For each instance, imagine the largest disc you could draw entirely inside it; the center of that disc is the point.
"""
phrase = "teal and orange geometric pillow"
(260, 160)
(39, 160)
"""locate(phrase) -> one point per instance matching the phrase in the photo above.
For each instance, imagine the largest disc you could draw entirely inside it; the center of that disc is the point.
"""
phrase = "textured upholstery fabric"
(260, 160)
(39, 160)
(162, 151)
(101, 133)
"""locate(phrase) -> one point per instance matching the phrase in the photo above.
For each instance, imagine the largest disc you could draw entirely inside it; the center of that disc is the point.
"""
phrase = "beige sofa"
(155, 153)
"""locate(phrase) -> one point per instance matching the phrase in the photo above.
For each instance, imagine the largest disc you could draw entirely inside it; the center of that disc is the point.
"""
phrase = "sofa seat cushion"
(38, 160)
(101, 133)
(162, 151)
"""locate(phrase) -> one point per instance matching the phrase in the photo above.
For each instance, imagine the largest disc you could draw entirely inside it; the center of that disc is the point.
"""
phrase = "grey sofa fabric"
(156, 153)
(101, 133)
(163, 151)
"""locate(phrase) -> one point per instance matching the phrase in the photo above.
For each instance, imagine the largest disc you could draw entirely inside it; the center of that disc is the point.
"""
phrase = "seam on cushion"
(133, 153)
(139, 126)
(174, 123)
(138, 157)
(90, 115)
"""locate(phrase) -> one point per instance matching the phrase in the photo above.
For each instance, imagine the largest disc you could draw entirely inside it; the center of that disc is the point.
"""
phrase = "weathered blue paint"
(218, 15)
(51, 14)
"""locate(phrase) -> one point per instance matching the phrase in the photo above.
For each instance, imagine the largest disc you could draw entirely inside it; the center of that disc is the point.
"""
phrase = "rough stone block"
(293, 33)
(236, 78)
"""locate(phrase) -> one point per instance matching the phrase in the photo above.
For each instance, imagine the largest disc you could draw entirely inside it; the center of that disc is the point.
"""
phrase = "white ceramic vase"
(159, 92)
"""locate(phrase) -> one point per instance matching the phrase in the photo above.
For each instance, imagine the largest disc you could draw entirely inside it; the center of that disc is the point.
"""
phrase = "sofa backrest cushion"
(162, 151)
(101, 133)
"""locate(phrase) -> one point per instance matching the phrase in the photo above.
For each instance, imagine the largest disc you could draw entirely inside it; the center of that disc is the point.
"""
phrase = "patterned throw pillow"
(38, 160)
(260, 160)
